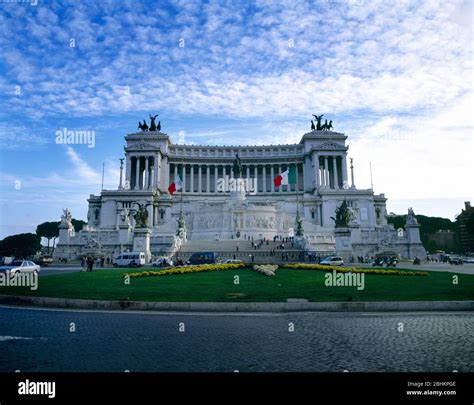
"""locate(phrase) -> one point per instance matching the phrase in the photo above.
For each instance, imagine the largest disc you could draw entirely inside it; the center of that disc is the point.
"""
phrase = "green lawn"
(219, 286)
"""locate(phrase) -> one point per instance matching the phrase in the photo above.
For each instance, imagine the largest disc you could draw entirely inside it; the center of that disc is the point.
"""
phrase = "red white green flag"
(287, 177)
(177, 184)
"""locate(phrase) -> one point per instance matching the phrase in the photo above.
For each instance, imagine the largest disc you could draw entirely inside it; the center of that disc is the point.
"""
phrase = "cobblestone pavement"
(41, 340)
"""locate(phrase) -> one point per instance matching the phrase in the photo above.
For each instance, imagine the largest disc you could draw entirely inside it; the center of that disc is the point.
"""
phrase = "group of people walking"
(87, 263)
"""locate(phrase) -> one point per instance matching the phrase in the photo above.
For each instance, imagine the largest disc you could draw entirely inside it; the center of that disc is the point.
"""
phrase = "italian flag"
(176, 185)
(285, 178)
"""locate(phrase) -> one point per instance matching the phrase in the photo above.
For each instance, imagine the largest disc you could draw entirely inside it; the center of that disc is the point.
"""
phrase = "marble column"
(345, 182)
(280, 189)
(184, 178)
(208, 179)
(152, 177)
(264, 175)
(326, 172)
(161, 170)
(316, 170)
(128, 172)
(272, 174)
(200, 179)
(137, 173)
(147, 174)
(334, 168)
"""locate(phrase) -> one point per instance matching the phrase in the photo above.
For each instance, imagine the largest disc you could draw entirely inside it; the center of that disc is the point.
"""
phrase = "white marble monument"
(212, 210)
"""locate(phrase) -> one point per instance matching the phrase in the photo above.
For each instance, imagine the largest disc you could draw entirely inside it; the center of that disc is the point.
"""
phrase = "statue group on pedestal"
(152, 127)
(343, 216)
(141, 215)
(327, 126)
(299, 225)
(66, 218)
(411, 218)
(181, 229)
(237, 167)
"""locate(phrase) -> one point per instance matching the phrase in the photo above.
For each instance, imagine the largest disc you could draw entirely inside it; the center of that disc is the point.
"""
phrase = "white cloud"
(81, 168)
(396, 76)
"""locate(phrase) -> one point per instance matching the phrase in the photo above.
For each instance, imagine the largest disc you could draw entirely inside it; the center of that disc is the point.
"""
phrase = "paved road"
(467, 268)
(62, 269)
(40, 340)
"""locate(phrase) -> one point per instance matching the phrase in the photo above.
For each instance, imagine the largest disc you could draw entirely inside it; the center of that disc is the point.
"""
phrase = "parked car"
(333, 261)
(131, 259)
(20, 266)
(385, 261)
(235, 261)
(43, 260)
(455, 260)
(163, 262)
(468, 260)
(203, 258)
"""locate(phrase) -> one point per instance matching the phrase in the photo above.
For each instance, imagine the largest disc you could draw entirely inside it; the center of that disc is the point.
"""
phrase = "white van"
(130, 259)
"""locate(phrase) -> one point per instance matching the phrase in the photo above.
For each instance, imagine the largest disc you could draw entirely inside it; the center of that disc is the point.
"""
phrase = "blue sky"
(396, 77)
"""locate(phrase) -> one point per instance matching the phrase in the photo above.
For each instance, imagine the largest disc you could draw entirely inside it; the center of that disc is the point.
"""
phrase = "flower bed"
(320, 267)
(267, 269)
(187, 269)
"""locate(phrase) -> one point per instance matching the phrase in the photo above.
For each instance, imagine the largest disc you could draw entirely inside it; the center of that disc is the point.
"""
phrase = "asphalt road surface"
(64, 340)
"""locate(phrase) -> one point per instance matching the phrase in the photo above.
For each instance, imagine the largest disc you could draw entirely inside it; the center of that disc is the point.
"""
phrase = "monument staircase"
(242, 250)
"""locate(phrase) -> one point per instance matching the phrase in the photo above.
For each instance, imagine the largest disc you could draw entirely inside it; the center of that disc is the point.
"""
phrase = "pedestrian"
(90, 263)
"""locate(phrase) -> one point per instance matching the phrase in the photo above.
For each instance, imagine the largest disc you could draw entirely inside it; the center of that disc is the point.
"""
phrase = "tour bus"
(130, 259)
(203, 258)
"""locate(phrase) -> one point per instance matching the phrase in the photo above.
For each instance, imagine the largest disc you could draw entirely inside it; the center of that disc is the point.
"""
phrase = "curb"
(298, 306)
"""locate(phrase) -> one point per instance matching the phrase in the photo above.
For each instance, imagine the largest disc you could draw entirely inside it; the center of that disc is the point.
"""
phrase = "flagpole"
(103, 169)
(296, 187)
(182, 187)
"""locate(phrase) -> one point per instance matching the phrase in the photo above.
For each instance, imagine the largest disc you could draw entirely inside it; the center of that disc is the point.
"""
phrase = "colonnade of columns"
(142, 171)
(330, 171)
(202, 177)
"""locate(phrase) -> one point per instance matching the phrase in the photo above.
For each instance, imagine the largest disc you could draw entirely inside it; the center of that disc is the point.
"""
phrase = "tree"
(428, 227)
(48, 230)
(78, 224)
(21, 245)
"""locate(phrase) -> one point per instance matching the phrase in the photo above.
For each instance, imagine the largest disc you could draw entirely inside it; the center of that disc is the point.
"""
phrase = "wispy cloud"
(394, 76)
(81, 168)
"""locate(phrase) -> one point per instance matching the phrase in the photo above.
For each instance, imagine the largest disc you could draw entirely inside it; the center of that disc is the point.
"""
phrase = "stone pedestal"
(343, 242)
(141, 241)
(66, 236)
(412, 229)
(301, 242)
(237, 189)
(415, 247)
(125, 235)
